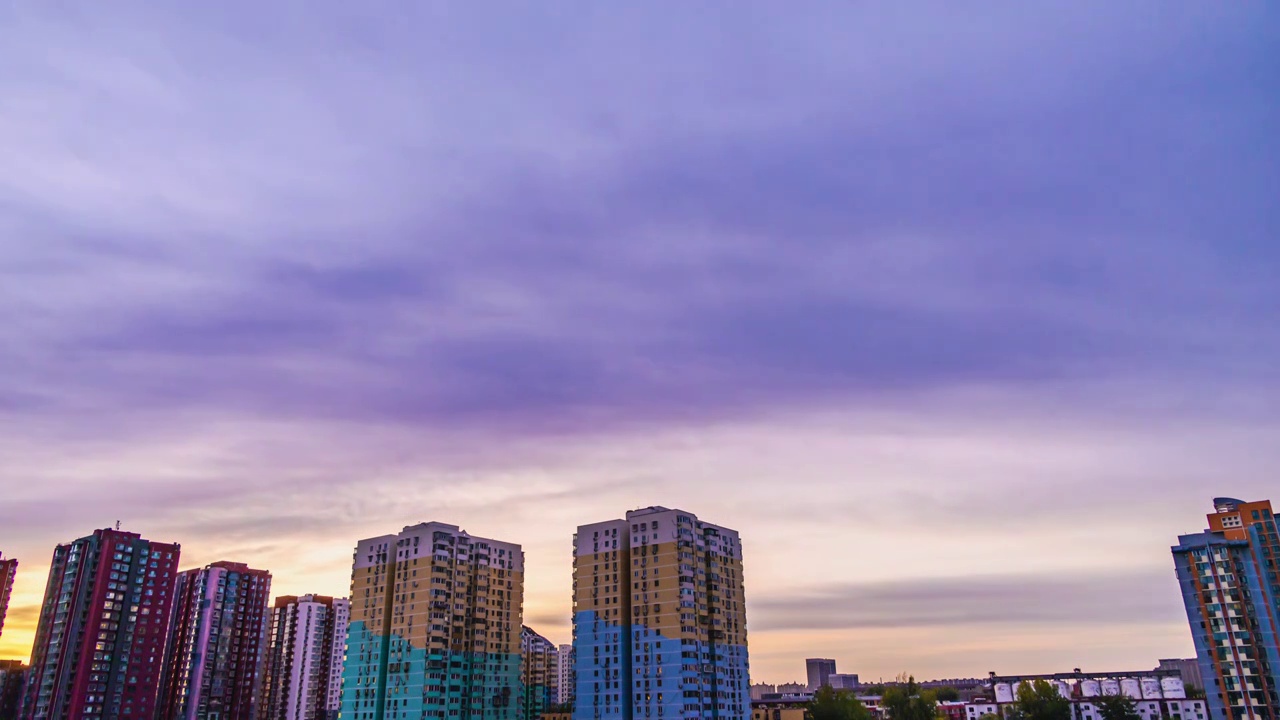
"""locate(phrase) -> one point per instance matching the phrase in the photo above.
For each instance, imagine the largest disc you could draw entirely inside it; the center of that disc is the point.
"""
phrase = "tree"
(831, 704)
(1117, 707)
(908, 702)
(946, 694)
(1040, 700)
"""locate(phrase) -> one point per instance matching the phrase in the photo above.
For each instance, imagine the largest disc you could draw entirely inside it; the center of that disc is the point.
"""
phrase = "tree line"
(1037, 700)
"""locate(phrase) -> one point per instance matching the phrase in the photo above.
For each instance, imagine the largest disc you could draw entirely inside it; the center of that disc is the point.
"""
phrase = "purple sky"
(960, 319)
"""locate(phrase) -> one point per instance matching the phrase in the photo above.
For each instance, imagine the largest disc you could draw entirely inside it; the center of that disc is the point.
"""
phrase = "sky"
(959, 314)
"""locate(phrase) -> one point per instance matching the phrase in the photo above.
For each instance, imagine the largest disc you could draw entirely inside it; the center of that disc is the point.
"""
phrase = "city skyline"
(958, 318)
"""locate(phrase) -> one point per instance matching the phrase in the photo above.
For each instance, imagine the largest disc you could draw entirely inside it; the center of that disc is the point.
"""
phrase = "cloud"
(1130, 598)
(271, 278)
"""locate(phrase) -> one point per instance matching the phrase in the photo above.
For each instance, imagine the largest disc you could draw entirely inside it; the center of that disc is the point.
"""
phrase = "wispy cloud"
(274, 277)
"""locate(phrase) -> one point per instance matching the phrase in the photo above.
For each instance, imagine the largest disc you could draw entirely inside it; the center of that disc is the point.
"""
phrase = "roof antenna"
(117, 525)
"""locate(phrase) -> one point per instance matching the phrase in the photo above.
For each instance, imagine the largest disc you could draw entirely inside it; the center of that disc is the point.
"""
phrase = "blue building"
(659, 624)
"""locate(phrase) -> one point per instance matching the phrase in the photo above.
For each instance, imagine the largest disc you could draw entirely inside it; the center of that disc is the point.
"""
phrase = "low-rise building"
(781, 707)
(1157, 694)
(844, 681)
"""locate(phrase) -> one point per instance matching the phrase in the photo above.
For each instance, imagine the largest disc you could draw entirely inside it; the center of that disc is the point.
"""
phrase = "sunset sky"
(959, 318)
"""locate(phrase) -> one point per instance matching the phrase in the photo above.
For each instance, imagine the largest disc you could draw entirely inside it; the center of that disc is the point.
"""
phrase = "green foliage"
(831, 704)
(908, 702)
(988, 716)
(1117, 707)
(946, 694)
(1039, 700)
(876, 690)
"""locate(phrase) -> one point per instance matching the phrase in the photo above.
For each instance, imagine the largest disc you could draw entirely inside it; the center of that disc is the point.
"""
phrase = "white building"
(302, 678)
(564, 672)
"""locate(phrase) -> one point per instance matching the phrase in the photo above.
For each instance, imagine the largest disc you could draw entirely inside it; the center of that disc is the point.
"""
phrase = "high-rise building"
(8, 569)
(302, 677)
(99, 645)
(13, 675)
(1231, 590)
(214, 658)
(819, 671)
(564, 674)
(539, 671)
(659, 624)
(435, 627)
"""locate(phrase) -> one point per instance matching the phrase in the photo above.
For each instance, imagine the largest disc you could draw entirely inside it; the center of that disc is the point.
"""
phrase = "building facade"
(539, 674)
(844, 681)
(1187, 668)
(8, 570)
(564, 675)
(214, 660)
(302, 675)
(659, 619)
(99, 646)
(13, 676)
(1231, 591)
(1157, 694)
(819, 672)
(435, 627)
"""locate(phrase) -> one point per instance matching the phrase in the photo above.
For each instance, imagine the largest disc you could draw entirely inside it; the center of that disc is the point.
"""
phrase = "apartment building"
(435, 627)
(564, 674)
(8, 570)
(659, 619)
(214, 659)
(13, 675)
(302, 676)
(539, 673)
(1231, 591)
(100, 642)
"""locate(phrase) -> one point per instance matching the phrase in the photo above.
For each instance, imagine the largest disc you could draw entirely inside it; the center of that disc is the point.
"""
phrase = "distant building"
(564, 675)
(819, 672)
(539, 673)
(844, 681)
(435, 627)
(8, 570)
(216, 648)
(1231, 591)
(1188, 668)
(1157, 694)
(791, 688)
(13, 673)
(302, 676)
(100, 642)
(759, 690)
(659, 621)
